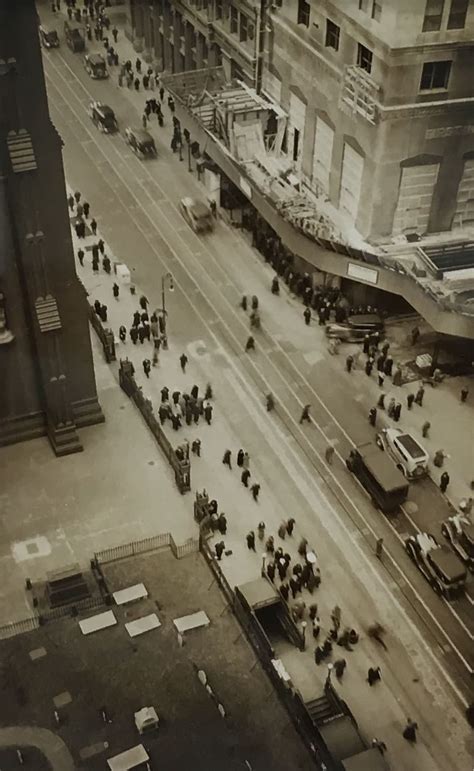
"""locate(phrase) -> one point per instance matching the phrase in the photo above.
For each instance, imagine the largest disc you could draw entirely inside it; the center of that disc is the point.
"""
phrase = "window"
(363, 5)
(433, 15)
(234, 19)
(218, 9)
(332, 35)
(303, 12)
(457, 14)
(243, 27)
(377, 10)
(435, 75)
(364, 58)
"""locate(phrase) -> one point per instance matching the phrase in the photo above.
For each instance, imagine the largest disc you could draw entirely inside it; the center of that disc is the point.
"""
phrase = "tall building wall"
(394, 103)
(48, 381)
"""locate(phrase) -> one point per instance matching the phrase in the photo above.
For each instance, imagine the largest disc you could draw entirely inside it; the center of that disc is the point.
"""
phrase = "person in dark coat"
(255, 489)
(208, 414)
(250, 538)
(86, 208)
(282, 568)
(226, 460)
(388, 366)
(101, 246)
(136, 319)
(165, 394)
(285, 591)
(80, 256)
(380, 362)
(219, 548)
(245, 477)
(339, 667)
(250, 344)
(222, 523)
(307, 315)
(275, 286)
(294, 586)
(444, 481)
(183, 360)
(305, 416)
(419, 396)
(146, 367)
(290, 524)
(134, 335)
(349, 363)
(240, 458)
(372, 416)
(410, 400)
(369, 364)
(123, 333)
(141, 333)
(373, 675)
(271, 571)
(106, 264)
(409, 732)
(195, 391)
(397, 412)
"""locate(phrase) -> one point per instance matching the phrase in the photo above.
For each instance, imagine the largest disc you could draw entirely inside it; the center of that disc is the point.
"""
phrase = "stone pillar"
(188, 45)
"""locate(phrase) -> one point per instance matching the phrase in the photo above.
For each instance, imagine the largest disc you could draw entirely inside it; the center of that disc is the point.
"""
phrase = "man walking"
(80, 257)
(245, 476)
(250, 537)
(116, 290)
(208, 413)
(86, 208)
(444, 481)
(93, 226)
(146, 367)
(410, 400)
(255, 489)
(419, 396)
(115, 34)
(397, 412)
(349, 363)
(226, 460)
(373, 675)
(307, 316)
(183, 360)
(464, 394)
(409, 732)
(134, 335)
(305, 416)
(250, 344)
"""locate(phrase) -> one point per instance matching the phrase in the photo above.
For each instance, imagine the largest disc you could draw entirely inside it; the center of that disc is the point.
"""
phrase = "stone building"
(380, 99)
(47, 383)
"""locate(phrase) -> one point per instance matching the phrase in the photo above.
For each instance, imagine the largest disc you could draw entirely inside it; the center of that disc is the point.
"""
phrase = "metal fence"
(133, 548)
(19, 627)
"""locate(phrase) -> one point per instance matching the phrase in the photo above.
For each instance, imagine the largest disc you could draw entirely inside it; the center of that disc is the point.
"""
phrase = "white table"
(129, 759)
(98, 622)
(130, 594)
(143, 624)
(193, 621)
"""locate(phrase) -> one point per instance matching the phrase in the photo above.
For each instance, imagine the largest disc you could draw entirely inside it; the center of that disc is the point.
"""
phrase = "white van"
(410, 457)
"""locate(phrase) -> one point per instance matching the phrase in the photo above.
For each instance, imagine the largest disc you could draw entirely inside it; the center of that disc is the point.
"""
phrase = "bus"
(379, 475)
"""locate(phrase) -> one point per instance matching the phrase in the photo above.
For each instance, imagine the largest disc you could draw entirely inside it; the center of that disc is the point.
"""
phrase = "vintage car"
(141, 142)
(355, 328)
(48, 37)
(459, 531)
(103, 117)
(197, 214)
(74, 38)
(410, 457)
(443, 570)
(95, 66)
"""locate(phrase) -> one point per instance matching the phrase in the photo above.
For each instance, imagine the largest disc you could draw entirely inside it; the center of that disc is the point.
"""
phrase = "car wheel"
(409, 551)
(437, 587)
(444, 531)
(379, 442)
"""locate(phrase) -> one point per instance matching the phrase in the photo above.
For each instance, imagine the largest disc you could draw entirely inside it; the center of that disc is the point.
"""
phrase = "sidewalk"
(239, 421)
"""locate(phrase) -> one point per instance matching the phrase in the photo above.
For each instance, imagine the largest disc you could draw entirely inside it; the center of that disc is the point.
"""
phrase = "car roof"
(95, 58)
(448, 563)
(382, 467)
(103, 108)
(198, 208)
(407, 441)
(141, 135)
(365, 320)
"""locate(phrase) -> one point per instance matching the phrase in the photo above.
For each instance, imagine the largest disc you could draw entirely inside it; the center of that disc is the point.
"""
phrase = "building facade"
(47, 383)
(380, 103)
(182, 35)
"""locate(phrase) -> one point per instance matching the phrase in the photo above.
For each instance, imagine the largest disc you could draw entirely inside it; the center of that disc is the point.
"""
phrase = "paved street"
(135, 204)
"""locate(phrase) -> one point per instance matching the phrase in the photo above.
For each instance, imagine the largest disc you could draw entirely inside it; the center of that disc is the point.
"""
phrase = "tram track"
(263, 370)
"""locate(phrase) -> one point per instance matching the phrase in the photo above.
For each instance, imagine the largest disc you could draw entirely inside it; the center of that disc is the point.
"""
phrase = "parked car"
(356, 327)
(196, 214)
(459, 531)
(443, 570)
(410, 457)
(48, 37)
(103, 117)
(74, 38)
(95, 66)
(141, 142)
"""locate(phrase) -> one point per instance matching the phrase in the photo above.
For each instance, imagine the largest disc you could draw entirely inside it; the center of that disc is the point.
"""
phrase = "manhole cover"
(411, 507)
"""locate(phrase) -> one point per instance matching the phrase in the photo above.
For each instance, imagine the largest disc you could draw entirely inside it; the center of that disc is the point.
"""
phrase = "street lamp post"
(164, 278)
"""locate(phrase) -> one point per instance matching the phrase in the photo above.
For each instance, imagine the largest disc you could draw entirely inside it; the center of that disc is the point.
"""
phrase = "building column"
(443, 204)
(138, 30)
(147, 52)
(199, 51)
(188, 45)
(167, 47)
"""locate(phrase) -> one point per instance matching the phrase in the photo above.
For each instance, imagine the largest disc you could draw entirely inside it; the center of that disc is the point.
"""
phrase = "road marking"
(233, 365)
